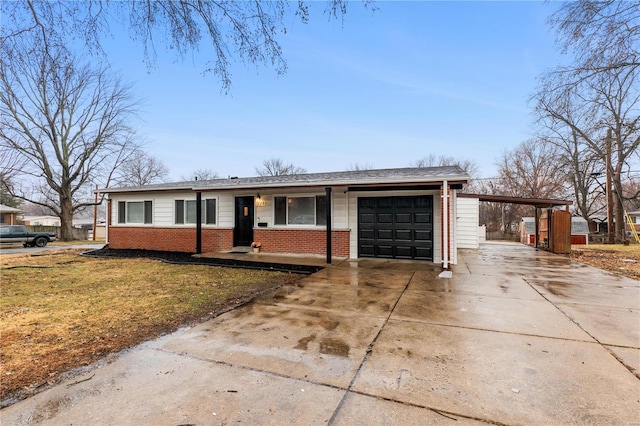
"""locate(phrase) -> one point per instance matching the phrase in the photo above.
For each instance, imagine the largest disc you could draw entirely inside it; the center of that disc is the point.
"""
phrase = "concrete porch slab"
(283, 258)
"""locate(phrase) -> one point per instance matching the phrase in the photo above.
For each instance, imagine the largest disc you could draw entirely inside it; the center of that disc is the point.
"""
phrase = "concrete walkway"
(517, 336)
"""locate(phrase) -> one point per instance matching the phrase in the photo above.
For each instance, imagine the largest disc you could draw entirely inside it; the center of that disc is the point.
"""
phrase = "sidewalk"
(517, 336)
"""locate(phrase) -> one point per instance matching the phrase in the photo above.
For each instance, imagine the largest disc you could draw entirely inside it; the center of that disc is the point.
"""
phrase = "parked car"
(19, 234)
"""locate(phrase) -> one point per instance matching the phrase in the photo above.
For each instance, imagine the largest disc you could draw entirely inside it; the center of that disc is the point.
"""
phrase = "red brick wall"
(169, 239)
(304, 241)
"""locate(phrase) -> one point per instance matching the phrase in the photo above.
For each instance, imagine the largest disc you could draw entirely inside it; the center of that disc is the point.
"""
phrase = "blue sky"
(382, 89)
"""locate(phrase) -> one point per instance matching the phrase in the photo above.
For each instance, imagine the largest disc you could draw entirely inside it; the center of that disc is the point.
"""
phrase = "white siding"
(467, 215)
(164, 206)
(265, 212)
(226, 207)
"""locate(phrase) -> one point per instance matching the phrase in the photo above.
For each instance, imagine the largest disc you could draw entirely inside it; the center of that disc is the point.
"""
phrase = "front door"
(243, 231)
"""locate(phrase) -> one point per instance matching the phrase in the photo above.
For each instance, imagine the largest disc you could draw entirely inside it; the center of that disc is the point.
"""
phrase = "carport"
(556, 229)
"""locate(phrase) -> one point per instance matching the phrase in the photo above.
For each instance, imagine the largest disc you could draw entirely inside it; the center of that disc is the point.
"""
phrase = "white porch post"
(445, 224)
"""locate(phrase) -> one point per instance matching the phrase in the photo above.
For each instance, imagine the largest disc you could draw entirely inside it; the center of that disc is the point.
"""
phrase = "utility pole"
(95, 215)
(610, 226)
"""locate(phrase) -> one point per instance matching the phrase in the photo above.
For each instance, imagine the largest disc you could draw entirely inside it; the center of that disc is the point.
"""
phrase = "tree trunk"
(618, 209)
(66, 218)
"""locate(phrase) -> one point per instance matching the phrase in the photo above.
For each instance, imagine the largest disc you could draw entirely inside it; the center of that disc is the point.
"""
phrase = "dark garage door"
(396, 227)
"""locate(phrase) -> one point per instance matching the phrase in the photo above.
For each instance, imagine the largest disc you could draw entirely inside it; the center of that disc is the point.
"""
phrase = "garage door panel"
(404, 202)
(385, 251)
(367, 250)
(384, 203)
(367, 218)
(424, 253)
(422, 218)
(367, 234)
(423, 235)
(402, 218)
(404, 235)
(396, 227)
(385, 234)
(385, 218)
(404, 252)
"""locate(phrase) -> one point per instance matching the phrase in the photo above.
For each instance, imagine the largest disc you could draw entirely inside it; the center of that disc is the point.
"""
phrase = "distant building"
(8, 215)
(579, 230)
(41, 220)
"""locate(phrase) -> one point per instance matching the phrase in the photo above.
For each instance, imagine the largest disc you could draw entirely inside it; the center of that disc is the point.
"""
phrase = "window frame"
(286, 223)
(122, 212)
(205, 209)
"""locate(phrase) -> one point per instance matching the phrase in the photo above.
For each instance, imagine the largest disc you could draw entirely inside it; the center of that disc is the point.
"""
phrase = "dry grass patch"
(616, 258)
(59, 310)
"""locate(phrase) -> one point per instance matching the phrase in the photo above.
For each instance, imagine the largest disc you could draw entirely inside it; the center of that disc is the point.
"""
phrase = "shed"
(579, 230)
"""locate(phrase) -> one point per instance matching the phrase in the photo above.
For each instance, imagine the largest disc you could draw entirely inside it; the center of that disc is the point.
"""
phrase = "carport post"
(198, 222)
(537, 226)
(328, 207)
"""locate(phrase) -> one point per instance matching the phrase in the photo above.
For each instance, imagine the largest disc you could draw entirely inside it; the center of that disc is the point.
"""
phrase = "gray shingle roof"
(7, 209)
(350, 178)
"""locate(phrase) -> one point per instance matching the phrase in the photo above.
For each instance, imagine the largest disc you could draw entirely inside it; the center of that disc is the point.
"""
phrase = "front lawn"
(616, 258)
(59, 310)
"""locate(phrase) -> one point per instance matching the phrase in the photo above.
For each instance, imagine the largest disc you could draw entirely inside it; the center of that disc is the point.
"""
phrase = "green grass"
(59, 310)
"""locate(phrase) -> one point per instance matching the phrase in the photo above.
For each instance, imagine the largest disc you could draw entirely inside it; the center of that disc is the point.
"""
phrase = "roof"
(7, 209)
(634, 213)
(354, 178)
(578, 225)
(537, 202)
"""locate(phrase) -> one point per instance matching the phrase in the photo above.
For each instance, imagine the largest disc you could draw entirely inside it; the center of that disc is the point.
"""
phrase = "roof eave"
(276, 185)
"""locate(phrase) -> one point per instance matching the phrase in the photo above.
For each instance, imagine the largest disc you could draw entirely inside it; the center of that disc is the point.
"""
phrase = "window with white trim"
(135, 212)
(303, 210)
(185, 211)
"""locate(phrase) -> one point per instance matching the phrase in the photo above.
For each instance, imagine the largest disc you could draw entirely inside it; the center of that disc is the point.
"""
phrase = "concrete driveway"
(517, 336)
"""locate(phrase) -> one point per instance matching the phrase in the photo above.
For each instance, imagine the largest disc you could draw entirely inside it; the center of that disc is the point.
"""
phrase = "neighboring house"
(8, 215)
(579, 230)
(388, 213)
(41, 220)
(634, 217)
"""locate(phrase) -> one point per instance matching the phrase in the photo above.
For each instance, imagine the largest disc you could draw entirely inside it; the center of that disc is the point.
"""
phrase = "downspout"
(445, 224)
(328, 207)
(198, 222)
(107, 219)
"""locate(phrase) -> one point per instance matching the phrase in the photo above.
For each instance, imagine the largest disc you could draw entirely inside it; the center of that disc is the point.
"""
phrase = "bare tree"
(582, 165)
(249, 30)
(533, 170)
(357, 166)
(468, 166)
(201, 174)
(140, 169)
(596, 96)
(603, 35)
(602, 111)
(277, 167)
(67, 121)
